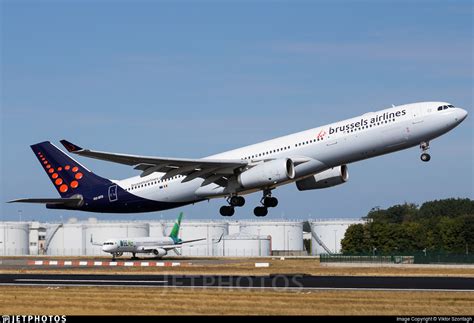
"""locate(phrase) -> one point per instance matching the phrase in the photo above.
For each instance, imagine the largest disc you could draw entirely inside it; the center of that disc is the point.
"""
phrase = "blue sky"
(191, 79)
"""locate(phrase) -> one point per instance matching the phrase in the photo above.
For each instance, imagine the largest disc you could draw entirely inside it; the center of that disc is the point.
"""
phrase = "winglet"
(70, 146)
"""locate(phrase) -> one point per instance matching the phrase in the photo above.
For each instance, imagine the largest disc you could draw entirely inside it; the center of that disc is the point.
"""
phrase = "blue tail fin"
(68, 176)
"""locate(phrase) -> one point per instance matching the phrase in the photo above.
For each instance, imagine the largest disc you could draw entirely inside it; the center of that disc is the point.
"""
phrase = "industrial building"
(248, 238)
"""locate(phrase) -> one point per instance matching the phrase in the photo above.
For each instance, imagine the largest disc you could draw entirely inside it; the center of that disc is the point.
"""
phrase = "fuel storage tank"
(327, 234)
(14, 238)
(244, 245)
(286, 235)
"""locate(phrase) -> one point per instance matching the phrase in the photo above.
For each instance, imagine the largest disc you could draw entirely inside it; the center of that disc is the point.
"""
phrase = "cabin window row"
(153, 183)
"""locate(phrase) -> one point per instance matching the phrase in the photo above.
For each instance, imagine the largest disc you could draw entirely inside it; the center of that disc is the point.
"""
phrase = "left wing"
(179, 245)
(170, 246)
(212, 170)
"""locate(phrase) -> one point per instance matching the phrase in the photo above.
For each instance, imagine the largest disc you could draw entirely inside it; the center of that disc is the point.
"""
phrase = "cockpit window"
(444, 107)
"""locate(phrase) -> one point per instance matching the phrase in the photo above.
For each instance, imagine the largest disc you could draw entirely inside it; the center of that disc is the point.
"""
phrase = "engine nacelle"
(268, 173)
(331, 177)
(159, 252)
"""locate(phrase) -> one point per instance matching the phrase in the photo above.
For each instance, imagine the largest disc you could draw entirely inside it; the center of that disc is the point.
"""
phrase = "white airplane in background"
(313, 159)
(159, 246)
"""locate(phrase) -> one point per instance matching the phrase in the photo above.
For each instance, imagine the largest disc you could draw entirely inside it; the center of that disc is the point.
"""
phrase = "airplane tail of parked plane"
(175, 231)
(67, 175)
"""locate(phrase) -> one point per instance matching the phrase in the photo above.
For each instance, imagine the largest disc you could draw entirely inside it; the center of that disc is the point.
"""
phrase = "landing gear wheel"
(227, 210)
(270, 202)
(237, 201)
(260, 211)
(425, 146)
(425, 157)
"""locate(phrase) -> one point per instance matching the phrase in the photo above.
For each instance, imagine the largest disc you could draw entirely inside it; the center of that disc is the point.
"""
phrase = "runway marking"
(91, 263)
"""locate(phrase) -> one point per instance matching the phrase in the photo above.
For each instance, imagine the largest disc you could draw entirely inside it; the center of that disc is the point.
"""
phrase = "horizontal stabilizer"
(71, 201)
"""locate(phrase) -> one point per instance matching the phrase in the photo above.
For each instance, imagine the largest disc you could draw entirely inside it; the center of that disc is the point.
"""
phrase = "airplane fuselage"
(319, 149)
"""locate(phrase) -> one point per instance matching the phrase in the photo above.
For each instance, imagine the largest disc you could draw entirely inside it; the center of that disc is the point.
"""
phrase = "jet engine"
(331, 177)
(268, 173)
(159, 252)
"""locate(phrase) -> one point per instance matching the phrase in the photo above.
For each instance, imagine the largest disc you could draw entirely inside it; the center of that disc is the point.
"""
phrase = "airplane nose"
(462, 114)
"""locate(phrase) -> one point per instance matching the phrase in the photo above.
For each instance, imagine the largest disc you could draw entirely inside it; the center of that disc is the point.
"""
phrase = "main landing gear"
(234, 201)
(267, 201)
(424, 146)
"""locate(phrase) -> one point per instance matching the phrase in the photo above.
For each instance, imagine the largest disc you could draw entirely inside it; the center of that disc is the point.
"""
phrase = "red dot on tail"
(67, 167)
(51, 170)
(63, 188)
(54, 176)
(60, 169)
(58, 182)
(78, 176)
(74, 184)
(75, 169)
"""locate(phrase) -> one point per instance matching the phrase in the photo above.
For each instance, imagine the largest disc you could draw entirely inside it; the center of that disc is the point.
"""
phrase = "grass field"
(169, 301)
(247, 267)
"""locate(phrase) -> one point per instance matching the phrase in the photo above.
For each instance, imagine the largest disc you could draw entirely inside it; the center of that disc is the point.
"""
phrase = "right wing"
(212, 170)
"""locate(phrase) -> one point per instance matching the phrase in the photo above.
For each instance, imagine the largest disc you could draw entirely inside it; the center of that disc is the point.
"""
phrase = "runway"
(275, 282)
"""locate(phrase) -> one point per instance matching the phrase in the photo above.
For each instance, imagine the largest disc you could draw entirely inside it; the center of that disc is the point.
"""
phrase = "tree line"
(445, 226)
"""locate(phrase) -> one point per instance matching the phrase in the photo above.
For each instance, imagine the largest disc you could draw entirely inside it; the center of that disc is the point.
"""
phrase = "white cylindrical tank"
(64, 239)
(286, 235)
(211, 231)
(157, 229)
(244, 245)
(326, 235)
(14, 238)
(102, 231)
(234, 227)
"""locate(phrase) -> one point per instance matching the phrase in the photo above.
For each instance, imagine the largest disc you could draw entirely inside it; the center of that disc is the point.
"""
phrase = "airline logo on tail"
(175, 231)
(65, 177)
(68, 176)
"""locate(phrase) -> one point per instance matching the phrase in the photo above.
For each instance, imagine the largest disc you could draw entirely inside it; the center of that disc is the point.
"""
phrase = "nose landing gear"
(425, 146)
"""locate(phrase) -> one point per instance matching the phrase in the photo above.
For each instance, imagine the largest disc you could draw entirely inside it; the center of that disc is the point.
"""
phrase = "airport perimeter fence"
(414, 258)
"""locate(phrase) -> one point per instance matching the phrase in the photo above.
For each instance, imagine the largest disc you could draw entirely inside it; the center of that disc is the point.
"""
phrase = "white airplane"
(157, 246)
(313, 159)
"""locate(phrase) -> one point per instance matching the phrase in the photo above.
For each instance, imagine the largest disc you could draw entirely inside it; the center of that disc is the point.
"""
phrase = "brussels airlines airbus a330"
(313, 159)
